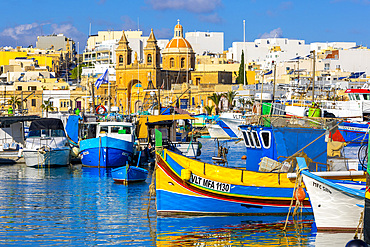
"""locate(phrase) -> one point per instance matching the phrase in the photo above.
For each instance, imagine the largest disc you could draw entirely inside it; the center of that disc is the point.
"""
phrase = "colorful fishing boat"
(108, 145)
(337, 205)
(187, 186)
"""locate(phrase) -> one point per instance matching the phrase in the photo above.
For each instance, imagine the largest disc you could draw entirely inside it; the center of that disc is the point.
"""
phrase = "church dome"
(178, 40)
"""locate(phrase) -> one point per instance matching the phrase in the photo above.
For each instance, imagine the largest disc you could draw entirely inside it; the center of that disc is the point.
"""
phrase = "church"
(169, 77)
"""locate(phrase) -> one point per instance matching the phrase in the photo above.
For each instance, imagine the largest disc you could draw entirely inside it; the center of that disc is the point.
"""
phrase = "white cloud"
(20, 31)
(196, 6)
(276, 33)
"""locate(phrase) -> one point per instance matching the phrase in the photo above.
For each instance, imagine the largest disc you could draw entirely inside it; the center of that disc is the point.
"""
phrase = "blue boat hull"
(129, 174)
(112, 152)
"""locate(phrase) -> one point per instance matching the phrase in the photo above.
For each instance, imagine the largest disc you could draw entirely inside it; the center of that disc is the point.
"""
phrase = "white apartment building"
(100, 48)
(264, 51)
(206, 42)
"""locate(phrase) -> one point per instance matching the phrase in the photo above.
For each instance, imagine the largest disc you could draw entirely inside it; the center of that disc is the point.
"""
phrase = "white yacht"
(47, 144)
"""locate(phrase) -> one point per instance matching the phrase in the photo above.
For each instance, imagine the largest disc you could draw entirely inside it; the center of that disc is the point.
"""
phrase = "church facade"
(169, 78)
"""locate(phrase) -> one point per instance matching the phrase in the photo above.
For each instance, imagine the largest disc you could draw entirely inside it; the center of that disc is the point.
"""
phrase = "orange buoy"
(244, 157)
(299, 194)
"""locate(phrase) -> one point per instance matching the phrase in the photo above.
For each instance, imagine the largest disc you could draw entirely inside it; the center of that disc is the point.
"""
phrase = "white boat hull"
(188, 149)
(55, 157)
(333, 209)
(233, 124)
(216, 131)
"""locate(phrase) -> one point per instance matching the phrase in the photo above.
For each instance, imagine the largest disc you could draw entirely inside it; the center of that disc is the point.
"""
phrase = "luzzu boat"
(187, 186)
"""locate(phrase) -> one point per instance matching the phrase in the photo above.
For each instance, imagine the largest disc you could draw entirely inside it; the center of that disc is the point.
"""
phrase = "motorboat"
(47, 144)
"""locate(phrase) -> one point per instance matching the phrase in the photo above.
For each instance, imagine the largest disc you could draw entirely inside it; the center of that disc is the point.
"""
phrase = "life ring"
(100, 109)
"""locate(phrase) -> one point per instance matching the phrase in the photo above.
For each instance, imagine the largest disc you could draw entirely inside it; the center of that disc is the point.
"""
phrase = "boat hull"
(129, 174)
(105, 152)
(216, 131)
(55, 157)
(235, 192)
(334, 209)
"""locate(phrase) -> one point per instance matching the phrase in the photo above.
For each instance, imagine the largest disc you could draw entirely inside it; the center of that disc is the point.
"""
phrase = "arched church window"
(120, 59)
(149, 58)
(172, 62)
(182, 63)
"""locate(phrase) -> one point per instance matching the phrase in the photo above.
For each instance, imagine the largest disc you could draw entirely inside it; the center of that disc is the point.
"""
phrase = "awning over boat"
(47, 123)
(15, 119)
(142, 128)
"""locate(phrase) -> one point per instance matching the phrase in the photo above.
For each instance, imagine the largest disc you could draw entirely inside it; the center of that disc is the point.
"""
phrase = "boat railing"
(319, 167)
(291, 121)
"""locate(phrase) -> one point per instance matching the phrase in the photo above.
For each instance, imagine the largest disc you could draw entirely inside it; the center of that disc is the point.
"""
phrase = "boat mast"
(313, 76)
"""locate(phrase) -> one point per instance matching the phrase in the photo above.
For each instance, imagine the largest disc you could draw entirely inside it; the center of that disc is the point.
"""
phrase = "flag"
(102, 79)
(268, 73)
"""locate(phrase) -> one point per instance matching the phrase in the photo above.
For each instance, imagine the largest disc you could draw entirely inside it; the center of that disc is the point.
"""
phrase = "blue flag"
(102, 79)
(268, 73)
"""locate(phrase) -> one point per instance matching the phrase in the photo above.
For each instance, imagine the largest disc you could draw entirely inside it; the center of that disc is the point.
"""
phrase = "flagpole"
(108, 95)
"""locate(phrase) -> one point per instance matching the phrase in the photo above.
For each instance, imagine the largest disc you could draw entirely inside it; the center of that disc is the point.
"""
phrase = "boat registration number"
(210, 184)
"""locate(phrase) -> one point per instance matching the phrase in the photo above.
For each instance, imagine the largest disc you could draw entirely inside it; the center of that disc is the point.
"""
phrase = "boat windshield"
(46, 133)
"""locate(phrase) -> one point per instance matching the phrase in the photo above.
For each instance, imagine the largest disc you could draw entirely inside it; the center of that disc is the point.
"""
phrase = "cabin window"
(120, 130)
(251, 140)
(103, 130)
(246, 140)
(266, 139)
(256, 139)
(57, 133)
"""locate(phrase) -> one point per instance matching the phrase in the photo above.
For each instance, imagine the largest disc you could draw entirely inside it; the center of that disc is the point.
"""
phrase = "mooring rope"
(152, 191)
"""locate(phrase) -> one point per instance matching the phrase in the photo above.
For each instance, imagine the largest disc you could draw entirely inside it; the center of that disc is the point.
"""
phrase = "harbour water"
(74, 206)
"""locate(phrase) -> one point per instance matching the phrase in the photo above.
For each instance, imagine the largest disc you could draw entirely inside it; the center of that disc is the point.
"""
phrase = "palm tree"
(14, 101)
(209, 109)
(216, 98)
(47, 106)
(230, 95)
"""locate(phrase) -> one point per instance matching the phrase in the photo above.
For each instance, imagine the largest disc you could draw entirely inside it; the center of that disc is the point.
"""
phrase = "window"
(149, 58)
(182, 62)
(266, 138)
(120, 130)
(172, 62)
(357, 96)
(120, 59)
(32, 88)
(256, 139)
(103, 129)
(197, 81)
(251, 140)
(246, 139)
(19, 88)
(33, 102)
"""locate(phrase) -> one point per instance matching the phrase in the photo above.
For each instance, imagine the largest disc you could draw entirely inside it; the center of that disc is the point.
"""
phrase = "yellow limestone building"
(137, 83)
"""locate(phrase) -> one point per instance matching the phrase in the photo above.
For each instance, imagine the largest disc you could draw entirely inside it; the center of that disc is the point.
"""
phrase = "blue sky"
(22, 21)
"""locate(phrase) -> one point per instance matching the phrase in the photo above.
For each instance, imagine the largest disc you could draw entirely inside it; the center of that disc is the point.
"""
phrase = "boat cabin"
(118, 130)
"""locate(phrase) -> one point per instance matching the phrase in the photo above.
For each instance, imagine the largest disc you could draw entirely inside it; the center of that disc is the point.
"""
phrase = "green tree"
(14, 101)
(78, 68)
(240, 78)
(216, 98)
(209, 109)
(230, 96)
(47, 106)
